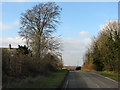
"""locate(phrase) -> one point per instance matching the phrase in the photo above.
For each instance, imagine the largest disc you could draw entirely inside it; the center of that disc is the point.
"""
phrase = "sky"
(80, 21)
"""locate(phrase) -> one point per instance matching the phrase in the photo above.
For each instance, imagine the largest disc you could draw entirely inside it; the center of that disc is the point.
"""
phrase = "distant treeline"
(104, 52)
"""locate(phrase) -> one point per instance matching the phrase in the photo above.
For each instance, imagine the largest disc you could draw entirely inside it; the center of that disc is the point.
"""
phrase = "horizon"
(81, 21)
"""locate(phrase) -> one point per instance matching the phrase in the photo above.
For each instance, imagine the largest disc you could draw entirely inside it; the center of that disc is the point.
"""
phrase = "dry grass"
(88, 66)
(18, 83)
(70, 67)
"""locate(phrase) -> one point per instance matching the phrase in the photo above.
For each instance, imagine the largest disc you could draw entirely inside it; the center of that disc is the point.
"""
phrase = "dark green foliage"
(96, 55)
(105, 49)
(9, 46)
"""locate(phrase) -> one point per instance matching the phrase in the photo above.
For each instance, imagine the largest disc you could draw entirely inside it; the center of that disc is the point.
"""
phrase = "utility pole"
(77, 63)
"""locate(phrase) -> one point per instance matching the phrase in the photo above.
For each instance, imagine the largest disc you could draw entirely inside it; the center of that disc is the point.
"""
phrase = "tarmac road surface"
(84, 79)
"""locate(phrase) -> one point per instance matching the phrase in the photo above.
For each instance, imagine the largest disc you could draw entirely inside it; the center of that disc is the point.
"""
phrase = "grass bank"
(51, 81)
(111, 75)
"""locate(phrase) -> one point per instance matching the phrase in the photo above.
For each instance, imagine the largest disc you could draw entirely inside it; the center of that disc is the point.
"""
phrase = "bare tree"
(38, 24)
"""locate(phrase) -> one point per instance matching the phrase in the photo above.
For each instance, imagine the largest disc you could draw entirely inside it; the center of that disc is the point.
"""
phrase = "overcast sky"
(80, 22)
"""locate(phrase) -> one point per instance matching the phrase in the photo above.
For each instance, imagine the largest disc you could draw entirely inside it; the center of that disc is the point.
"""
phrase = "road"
(84, 79)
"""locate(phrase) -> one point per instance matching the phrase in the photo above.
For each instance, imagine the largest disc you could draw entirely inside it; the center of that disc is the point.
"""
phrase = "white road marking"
(111, 79)
(97, 85)
(106, 77)
(77, 71)
(66, 84)
(0, 87)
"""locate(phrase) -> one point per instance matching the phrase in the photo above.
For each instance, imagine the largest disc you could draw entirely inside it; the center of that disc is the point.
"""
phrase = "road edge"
(62, 83)
(108, 78)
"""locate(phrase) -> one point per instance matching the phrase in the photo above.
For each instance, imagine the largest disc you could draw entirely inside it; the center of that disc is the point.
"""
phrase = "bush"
(20, 66)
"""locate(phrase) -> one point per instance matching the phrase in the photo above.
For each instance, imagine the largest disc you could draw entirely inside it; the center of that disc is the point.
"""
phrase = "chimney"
(9, 46)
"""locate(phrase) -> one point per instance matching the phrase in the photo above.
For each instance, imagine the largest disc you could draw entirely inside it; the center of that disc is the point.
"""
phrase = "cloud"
(104, 15)
(84, 33)
(16, 22)
(15, 0)
(4, 26)
(74, 50)
(9, 25)
(13, 41)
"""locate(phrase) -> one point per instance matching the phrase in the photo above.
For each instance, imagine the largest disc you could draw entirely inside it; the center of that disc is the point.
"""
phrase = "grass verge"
(111, 75)
(52, 81)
